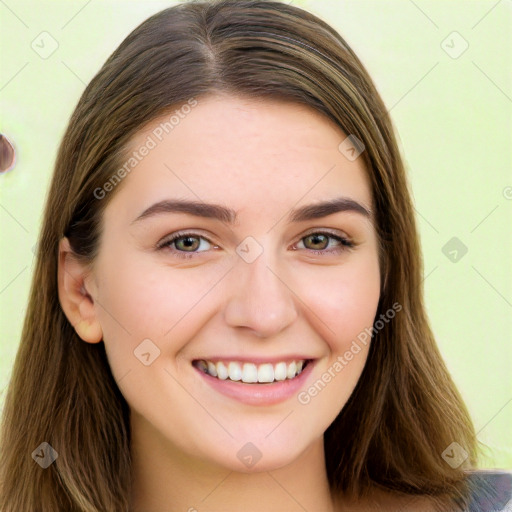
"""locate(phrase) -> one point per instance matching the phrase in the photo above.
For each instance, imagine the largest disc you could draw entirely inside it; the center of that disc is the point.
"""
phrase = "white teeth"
(251, 373)
(280, 371)
(212, 369)
(265, 373)
(234, 371)
(222, 371)
(292, 370)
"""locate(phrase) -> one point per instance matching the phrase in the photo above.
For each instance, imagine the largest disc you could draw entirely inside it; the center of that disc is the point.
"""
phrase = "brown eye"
(187, 243)
(318, 241)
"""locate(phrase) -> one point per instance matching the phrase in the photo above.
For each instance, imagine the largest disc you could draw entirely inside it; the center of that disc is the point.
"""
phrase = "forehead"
(246, 153)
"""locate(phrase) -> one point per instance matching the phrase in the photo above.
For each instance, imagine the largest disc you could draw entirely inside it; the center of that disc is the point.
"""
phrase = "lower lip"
(259, 394)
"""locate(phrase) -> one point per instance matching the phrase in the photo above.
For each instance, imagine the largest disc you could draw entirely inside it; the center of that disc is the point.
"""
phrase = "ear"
(76, 301)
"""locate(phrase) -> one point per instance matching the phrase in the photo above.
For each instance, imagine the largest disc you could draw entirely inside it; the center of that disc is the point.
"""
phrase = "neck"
(165, 479)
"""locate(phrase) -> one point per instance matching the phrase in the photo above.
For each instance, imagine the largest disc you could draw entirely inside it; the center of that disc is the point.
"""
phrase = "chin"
(259, 455)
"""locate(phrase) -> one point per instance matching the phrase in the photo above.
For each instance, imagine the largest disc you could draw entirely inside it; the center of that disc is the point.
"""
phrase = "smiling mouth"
(250, 373)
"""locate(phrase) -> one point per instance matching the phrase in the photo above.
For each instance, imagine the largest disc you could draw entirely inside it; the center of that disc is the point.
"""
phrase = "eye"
(322, 240)
(186, 245)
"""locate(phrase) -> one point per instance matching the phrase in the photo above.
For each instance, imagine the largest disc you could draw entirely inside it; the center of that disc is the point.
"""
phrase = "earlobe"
(89, 331)
(76, 300)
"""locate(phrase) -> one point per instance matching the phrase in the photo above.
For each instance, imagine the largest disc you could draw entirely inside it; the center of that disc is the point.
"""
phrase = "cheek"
(344, 301)
(133, 302)
(343, 311)
(139, 299)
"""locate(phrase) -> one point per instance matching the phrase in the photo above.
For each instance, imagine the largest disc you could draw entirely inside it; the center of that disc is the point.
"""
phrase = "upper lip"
(256, 360)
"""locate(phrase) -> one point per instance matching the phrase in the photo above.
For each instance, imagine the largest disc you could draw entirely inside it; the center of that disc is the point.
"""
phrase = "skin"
(261, 158)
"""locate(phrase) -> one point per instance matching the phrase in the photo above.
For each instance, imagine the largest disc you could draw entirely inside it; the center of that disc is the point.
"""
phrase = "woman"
(226, 312)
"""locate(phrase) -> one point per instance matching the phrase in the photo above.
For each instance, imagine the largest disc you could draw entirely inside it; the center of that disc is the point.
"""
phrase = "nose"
(260, 300)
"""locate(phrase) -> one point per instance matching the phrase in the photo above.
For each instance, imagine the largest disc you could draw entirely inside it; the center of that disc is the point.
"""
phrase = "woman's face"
(261, 283)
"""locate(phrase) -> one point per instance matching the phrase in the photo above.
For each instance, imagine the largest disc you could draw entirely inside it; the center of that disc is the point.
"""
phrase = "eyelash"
(345, 244)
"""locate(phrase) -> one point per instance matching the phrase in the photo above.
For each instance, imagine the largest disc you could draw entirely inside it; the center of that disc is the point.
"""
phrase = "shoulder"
(382, 500)
(490, 491)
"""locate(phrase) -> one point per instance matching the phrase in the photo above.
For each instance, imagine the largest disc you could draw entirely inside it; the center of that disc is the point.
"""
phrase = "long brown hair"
(405, 410)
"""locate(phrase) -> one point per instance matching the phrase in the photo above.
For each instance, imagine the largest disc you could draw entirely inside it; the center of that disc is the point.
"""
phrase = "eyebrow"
(229, 216)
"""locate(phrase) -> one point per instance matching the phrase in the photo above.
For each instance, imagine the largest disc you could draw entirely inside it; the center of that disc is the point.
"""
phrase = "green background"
(452, 110)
